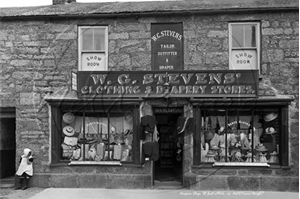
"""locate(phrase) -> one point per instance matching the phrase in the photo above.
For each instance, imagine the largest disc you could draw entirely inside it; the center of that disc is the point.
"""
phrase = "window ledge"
(104, 163)
(235, 164)
(61, 164)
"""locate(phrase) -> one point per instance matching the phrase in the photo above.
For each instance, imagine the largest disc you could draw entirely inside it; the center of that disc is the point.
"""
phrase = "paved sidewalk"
(58, 193)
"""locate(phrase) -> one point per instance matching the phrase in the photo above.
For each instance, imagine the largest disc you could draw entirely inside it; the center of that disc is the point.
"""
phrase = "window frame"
(257, 48)
(57, 110)
(283, 142)
(80, 45)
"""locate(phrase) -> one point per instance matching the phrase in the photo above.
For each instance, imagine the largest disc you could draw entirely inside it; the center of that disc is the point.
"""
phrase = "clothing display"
(94, 142)
(151, 150)
(148, 123)
(244, 139)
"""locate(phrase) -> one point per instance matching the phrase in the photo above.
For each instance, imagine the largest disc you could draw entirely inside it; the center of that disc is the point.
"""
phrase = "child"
(25, 170)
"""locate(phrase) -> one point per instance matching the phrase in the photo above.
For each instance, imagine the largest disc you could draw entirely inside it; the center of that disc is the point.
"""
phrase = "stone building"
(222, 82)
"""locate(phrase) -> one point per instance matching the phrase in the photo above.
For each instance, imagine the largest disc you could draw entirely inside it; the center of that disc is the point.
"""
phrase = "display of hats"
(270, 130)
(271, 116)
(68, 118)
(68, 131)
(261, 147)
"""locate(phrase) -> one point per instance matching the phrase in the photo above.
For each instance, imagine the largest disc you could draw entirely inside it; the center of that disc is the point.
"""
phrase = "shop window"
(93, 137)
(93, 48)
(242, 137)
(244, 46)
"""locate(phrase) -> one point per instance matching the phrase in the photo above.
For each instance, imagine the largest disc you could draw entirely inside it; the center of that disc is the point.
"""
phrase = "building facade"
(128, 95)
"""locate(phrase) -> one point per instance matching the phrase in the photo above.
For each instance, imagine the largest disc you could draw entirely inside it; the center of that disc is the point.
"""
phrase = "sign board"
(167, 46)
(93, 61)
(200, 83)
(244, 59)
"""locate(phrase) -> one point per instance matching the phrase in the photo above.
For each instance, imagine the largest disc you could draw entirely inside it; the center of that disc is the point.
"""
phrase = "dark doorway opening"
(168, 167)
(7, 142)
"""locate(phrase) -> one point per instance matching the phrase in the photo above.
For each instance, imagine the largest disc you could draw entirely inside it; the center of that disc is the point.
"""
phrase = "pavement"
(82, 193)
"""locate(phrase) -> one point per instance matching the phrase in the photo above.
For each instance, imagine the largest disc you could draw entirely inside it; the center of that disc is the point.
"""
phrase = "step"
(8, 182)
(167, 185)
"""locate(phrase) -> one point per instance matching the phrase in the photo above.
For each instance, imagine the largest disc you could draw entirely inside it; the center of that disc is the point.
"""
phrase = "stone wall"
(38, 55)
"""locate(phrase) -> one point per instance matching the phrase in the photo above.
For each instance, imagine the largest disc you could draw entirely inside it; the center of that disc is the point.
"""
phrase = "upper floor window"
(244, 45)
(93, 48)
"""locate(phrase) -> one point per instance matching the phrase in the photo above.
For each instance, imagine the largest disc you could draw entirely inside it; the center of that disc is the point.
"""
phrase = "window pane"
(237, 36)
(247, 137)
(97, 137)
(250, 36)
(87, 39)
(99, 38)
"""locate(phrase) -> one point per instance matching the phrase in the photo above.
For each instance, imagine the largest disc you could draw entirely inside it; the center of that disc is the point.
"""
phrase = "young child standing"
(25, 170)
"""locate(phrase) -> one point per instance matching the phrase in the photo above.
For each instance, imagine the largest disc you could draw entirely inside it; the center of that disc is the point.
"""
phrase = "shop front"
(147, 127)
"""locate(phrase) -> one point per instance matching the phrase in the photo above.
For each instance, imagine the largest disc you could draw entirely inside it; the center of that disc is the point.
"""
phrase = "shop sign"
(93, 61)
(244, 59)
(167, 46)
(213, 83)
(167, 110)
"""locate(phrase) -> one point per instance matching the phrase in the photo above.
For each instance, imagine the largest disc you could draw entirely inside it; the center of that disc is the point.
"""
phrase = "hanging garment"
(148, 123)
(151, 150)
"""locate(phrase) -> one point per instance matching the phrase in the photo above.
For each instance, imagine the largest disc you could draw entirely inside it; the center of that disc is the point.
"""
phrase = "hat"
(269, 117)
(214, 147)
(274, 153)
(249, 155)
(270, 130)
(68, 131)
(68, 118)
(208, 135)
(261, 147)
(210, 153)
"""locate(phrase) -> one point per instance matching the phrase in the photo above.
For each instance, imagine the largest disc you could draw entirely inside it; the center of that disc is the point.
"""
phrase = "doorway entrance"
(7, 146)
(169, 166)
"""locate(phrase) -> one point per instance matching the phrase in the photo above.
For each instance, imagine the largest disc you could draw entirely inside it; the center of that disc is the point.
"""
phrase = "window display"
(240, 135)
(97, 137)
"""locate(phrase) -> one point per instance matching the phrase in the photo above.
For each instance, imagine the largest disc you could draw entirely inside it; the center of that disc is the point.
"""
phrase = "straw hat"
(270, 130)
(68, 118)
(214, 147)
(68, 131)
(210, 153)
(261, 147)
(269, 117)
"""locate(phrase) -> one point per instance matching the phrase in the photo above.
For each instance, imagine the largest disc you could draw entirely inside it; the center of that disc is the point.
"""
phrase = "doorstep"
(167, 185)
(8, 182)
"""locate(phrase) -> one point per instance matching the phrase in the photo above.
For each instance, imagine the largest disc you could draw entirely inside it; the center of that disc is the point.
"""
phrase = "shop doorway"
(168, 169)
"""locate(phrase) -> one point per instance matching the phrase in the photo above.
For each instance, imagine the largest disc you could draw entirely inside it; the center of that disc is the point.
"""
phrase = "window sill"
(239, 165)
(103, 163)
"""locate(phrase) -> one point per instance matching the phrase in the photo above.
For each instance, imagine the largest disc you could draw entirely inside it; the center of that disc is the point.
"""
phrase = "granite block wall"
(38, 55)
